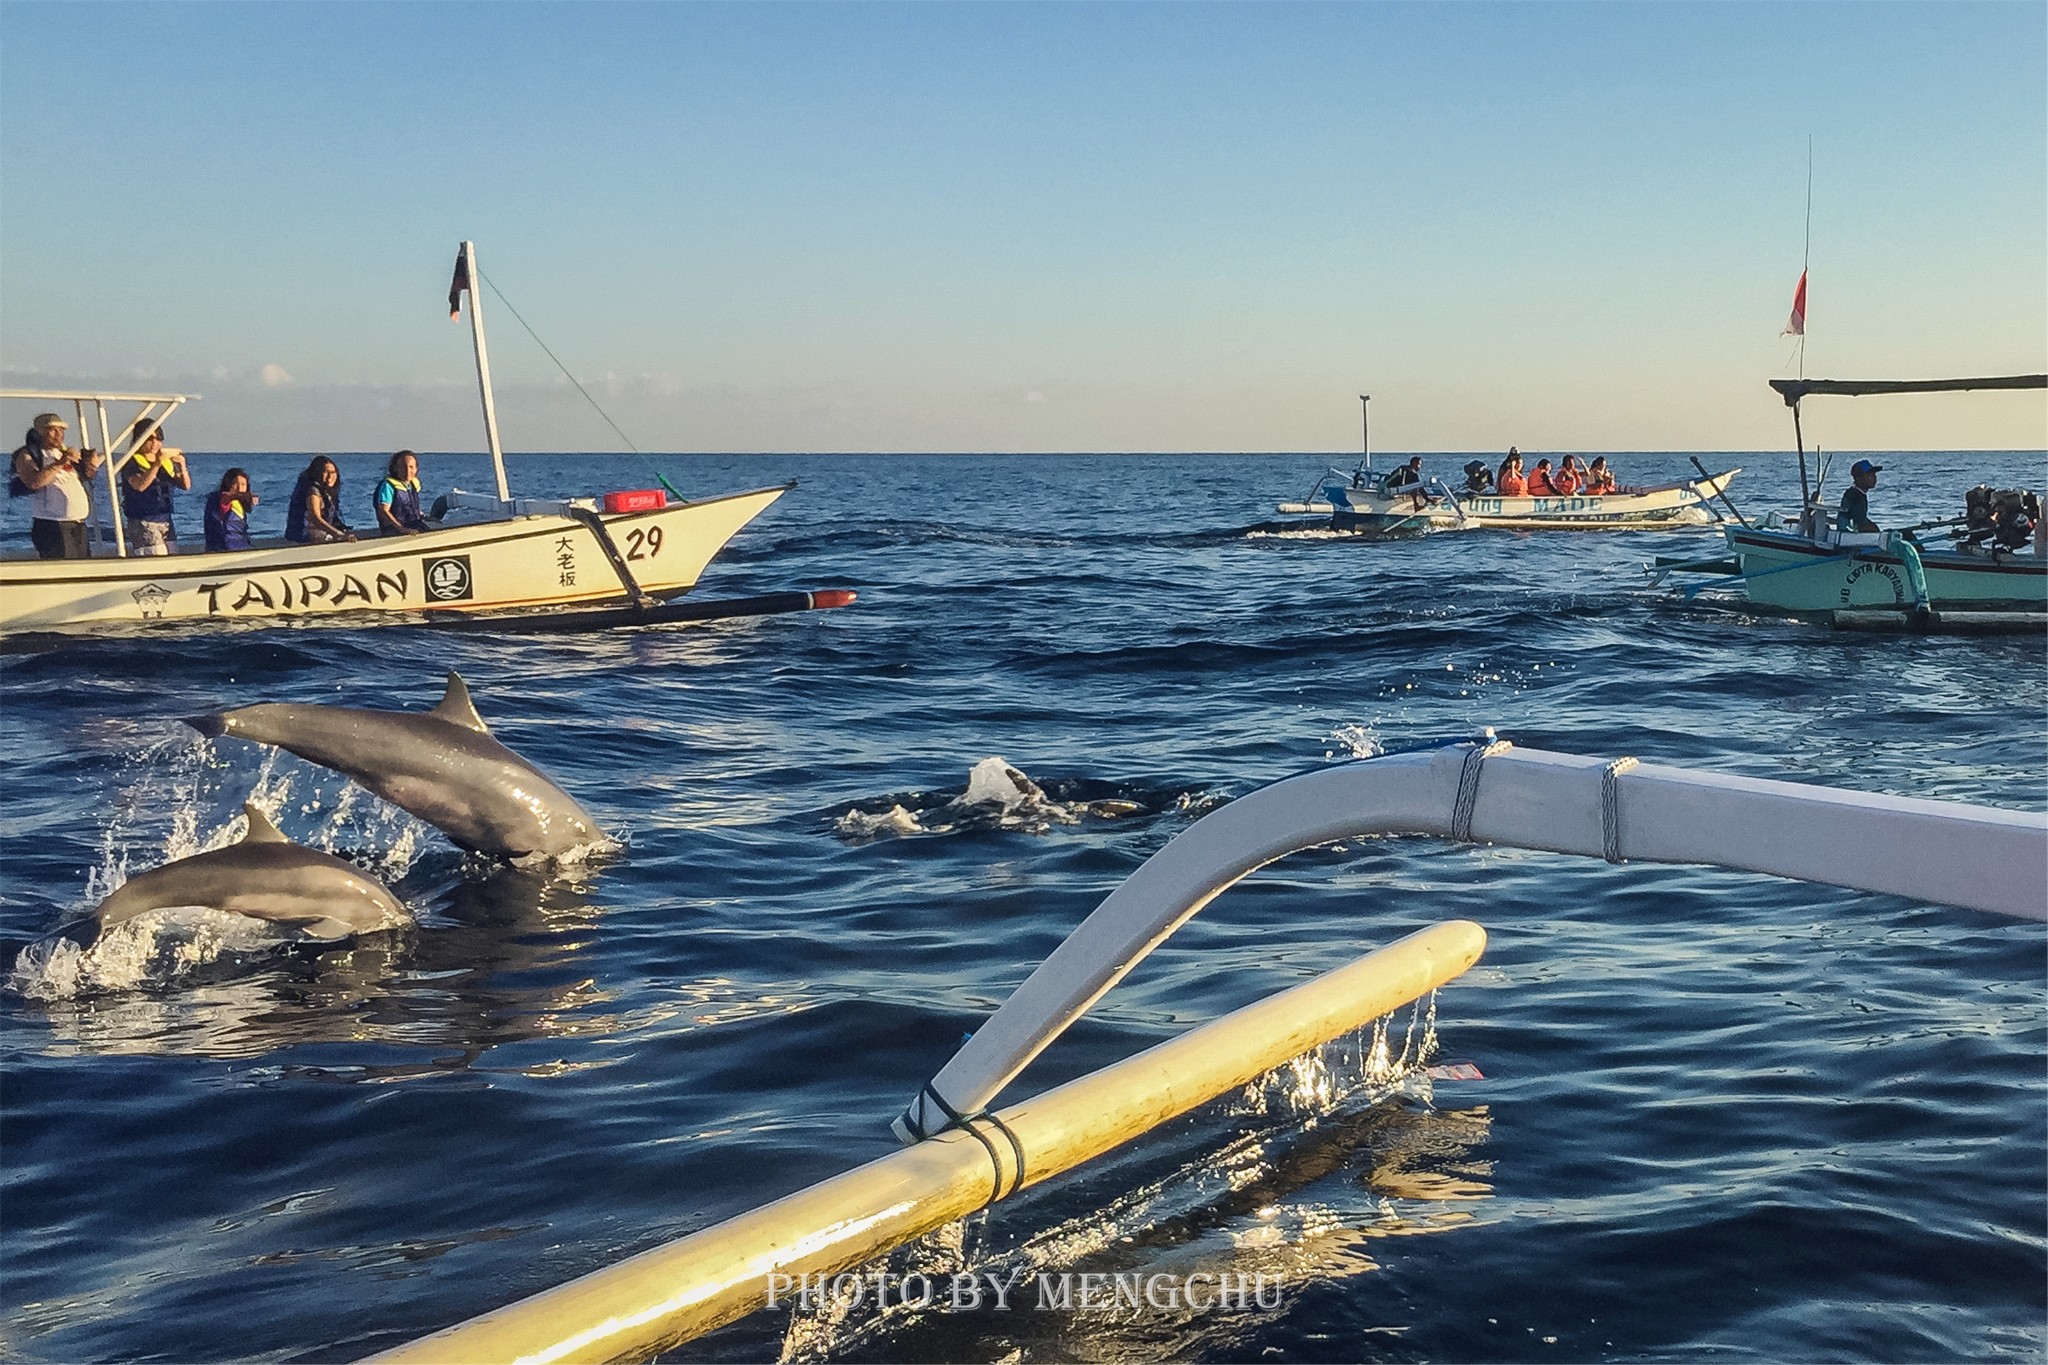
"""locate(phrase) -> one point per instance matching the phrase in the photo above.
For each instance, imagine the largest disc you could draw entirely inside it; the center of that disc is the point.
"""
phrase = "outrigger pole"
(483, 367)
(641, 1306)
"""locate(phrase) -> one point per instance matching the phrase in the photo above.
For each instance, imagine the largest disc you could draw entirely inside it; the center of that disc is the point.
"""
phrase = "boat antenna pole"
(1805, 260)
(1365, 415)
(483, 368)
(1806, 252)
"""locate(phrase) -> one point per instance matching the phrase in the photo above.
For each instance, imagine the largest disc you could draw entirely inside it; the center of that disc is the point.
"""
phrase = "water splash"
(998, 795)
(1355, 741)
(152, 948)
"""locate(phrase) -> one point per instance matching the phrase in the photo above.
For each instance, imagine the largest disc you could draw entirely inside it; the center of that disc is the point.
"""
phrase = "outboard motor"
(2015, 513)
(2005, 518)
(1977, 514)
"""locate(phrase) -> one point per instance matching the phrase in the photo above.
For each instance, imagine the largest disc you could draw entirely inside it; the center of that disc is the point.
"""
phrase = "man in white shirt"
(56, 478)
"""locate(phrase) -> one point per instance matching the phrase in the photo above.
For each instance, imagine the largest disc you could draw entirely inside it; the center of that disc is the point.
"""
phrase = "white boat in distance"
(1362, 501)
(489, 553)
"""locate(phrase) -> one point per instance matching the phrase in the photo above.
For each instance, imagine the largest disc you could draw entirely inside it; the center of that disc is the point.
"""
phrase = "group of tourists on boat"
(54, 477)
(1568, 479)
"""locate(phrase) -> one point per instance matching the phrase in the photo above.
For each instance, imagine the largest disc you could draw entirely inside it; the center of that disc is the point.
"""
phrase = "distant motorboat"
(1368, 500)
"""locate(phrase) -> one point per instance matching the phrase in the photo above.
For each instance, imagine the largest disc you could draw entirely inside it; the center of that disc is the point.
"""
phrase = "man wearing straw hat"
(55, 477)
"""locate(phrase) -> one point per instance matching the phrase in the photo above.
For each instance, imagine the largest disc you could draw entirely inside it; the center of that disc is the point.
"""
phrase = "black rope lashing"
(1468, 786)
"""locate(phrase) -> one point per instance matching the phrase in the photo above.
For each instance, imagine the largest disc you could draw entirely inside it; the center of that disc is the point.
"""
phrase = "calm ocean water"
(1723, 1117)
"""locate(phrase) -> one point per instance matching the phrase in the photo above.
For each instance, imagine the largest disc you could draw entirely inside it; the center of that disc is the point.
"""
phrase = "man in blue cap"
(1855, 514)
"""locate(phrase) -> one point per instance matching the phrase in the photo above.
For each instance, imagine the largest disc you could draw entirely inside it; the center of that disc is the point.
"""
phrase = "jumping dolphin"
(442, 765)
(265, 876)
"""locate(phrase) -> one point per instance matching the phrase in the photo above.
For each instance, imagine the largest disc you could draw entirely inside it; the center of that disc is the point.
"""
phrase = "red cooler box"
(637, 500)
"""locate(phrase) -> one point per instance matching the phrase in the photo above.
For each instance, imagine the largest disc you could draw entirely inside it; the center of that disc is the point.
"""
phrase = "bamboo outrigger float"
(490, 554)
(964, 1157)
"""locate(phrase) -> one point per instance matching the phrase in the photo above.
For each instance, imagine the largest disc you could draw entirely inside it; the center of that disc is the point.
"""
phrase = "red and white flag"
(1796, 327)
(461, 283)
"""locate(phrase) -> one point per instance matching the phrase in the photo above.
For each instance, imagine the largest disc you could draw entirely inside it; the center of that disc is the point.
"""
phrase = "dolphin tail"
(212, 725)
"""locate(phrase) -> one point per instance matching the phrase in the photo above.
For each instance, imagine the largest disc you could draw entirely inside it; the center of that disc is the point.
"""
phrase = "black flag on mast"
(458, 284)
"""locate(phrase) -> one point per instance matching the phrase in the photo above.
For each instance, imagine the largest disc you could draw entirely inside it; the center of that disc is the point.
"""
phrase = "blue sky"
(1009, 227)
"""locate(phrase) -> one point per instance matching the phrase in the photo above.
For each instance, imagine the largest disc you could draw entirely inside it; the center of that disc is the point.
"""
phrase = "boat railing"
(153, 410)
(458, 500)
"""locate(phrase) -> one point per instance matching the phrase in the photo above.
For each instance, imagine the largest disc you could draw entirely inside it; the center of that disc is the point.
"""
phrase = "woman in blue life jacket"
(314, 517)
(148, 476)
(398, 498)
(227, 512)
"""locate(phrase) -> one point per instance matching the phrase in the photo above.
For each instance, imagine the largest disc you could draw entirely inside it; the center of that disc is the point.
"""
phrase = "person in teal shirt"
(398, 497)
(1855, 511)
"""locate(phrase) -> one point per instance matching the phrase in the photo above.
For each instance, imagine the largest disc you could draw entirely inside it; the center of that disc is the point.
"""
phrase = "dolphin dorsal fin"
(457, 709)
(261, 831)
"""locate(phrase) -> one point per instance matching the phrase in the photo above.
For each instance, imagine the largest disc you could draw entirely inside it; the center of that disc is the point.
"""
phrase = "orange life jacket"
(1512, 485)
(1603, 482)
(1539, 484)
(1566, 481)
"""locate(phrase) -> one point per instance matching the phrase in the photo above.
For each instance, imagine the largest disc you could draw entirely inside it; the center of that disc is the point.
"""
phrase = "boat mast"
(483, 367)
(1365, 414)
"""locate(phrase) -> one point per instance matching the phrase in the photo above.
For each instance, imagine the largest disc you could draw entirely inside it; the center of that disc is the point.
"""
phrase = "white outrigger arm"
(1986, 859)
(1975, 857)
(116, 442)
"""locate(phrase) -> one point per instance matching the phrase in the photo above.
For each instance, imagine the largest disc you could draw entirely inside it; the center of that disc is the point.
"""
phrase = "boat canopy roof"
(1796, 389)
(70, 396)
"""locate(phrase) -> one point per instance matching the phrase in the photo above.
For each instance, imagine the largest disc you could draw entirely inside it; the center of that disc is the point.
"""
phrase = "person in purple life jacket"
(227, 512)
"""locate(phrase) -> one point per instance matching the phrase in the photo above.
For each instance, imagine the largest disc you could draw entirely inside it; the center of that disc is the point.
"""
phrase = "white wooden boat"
(1362, 501)
(540, 556)
(963, 1156)
(491, 552)
(1815, 568)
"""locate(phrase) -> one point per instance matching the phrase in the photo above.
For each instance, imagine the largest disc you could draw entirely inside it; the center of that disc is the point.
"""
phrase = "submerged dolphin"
(265, 876)
(442, 765)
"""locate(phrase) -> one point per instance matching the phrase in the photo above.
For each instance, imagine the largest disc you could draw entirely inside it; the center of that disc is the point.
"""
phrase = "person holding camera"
(55, 477)
(148, 476)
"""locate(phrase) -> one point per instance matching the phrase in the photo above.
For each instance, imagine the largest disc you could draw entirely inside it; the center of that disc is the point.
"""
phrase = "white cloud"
(275, 376)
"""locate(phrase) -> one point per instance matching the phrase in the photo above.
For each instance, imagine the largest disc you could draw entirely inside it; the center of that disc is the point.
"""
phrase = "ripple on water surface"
(1720, 1116)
